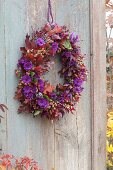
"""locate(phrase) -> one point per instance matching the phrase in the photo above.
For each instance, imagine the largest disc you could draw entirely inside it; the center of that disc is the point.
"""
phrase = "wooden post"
(98, 84)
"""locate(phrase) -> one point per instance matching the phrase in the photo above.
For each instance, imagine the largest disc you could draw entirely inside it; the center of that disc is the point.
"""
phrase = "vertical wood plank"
(98, 84)
(73, 133)
(3, 124)
(26, 135)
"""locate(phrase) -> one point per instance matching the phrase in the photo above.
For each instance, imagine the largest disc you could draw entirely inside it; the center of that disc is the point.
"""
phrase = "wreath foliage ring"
(38, 96)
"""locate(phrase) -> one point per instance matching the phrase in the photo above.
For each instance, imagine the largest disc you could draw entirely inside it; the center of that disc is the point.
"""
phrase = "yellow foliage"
(109, 163)
(110, 114)
(109, 144)
(110, 120)
(110, 148)
(110, 133)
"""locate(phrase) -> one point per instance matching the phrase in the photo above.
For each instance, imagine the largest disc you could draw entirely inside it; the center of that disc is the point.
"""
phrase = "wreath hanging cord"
(36, 95)
(49, 13)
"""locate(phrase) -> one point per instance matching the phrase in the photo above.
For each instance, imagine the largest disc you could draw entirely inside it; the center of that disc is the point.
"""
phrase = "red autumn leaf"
(27, 41)
(30, 56)
(72, 109)
(26, 101)
(47, 27)
(107, 1)
(20, 164)
(38, 69)
(39, 59)
(57, 29)
(48, 88)
(18, 94)
(7, 156)
(23, 50)
(60, 86)
(33, 44)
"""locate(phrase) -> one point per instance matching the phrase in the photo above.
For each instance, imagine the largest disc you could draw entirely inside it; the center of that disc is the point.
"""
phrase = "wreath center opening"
(53, 75)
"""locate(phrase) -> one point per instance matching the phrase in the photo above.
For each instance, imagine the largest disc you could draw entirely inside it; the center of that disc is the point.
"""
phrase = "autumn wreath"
(38, 96)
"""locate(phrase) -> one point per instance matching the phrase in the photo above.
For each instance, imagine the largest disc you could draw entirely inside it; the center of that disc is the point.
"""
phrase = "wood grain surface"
(98, 84)
(76, 141)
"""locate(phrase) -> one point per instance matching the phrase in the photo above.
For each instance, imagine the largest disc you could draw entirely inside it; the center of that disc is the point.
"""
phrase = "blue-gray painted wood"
(25, 135)
(3, 125)
(75, 130)
(67, 143)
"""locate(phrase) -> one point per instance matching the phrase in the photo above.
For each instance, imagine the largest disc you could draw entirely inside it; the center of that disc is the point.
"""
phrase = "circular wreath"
(38, 96)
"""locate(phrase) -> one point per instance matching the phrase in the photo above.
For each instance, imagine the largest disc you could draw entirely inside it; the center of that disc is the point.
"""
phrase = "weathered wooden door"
(77, 142)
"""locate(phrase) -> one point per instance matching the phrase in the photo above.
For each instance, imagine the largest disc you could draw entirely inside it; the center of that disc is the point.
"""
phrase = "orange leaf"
(48, 88)
(2, 167)
(57, 29)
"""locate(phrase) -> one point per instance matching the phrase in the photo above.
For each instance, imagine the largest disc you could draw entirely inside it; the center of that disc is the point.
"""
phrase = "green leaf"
(45, 96)
(34, 80)
(67, 45)
(37, 112)
(32, 73)
(19, 75)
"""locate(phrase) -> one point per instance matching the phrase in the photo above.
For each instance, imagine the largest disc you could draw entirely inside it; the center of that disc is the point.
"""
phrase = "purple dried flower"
(44, 113)
(54, 46)
(41, 85)
(61, 99)
(22, 61)
(77, 50)
(36, 76)
(34, 89)
(43, 103)
(66, 54)
(78, 82)
(69, 95)
(29, 95)
(78, 89)
(74, 39)
(26, 79)
(29, 92)
(28, 65)
(72, 63)
(27, 89)
(53, 95)
(65, 74)
(72, 36)
(40, 42)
